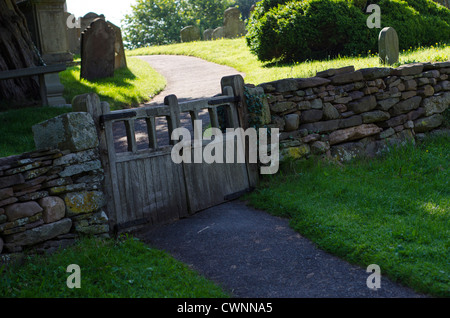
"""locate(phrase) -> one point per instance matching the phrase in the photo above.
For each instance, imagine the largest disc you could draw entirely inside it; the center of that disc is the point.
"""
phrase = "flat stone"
(354, 133)
(310, 116)
(311, 82)
(335, 71)
(345, 78)
(408, 69)
(83, 202)
(375, 72)
(22, 210)
(386, 104)
(330, 112)
(80, 168)
(363, 105)
(436, 104)
(41, 233)
(351, 121)
(6, 193)
(283, 106)
(426, 91)
(8, 181)
(319, 147)
(286, 85)
(321, 126)
(406, 106)
(316, 103)
(425, 124)
(54, 209)
(375, 116)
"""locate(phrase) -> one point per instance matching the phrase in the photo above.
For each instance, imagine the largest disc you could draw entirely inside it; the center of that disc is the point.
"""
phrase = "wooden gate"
(145, 186)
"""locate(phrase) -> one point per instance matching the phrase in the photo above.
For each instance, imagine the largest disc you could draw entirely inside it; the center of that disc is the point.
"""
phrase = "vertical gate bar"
(151, 129)
(173, 120)
(214, 117)
(131, 135)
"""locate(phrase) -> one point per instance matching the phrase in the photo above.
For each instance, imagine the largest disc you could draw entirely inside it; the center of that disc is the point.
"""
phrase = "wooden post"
(236, 82)
(173, 120)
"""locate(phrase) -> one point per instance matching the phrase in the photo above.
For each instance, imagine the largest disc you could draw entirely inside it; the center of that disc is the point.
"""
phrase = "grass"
(393, 211)
(123, 268)
(236, 54)
(15, 128)
(129, 87)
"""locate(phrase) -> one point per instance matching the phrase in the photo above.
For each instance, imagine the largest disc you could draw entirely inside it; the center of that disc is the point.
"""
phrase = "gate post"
(91, 104)
(236, 82)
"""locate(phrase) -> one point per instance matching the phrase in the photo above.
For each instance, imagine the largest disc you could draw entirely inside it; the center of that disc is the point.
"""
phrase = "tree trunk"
(17, 50)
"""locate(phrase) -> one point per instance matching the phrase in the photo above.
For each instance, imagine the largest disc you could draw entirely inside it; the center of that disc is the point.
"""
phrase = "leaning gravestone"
(233, 26)
(388, 47)
(190, 33)
(98, 51)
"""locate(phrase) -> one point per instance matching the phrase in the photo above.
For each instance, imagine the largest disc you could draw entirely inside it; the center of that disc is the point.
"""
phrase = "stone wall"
(53, 195)
(345, 113)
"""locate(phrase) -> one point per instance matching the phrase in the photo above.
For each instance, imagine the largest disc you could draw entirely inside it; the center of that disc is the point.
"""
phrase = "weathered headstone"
(98, 51)
(207, 34)
(119, 59)
(388, 47)
(190, 33)
(218, 33)
(232, 24)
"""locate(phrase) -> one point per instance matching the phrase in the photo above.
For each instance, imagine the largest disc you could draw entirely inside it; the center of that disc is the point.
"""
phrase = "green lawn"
(129, 87)
(393, 211)
(124, 268)
(235, 53)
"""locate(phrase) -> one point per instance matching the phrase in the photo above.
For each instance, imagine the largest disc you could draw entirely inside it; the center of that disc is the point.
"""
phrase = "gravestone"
(233, 26)
(120, 60)
(388, 47)
(207, 34)
(218, 33)
(97, 51)
(190, 33)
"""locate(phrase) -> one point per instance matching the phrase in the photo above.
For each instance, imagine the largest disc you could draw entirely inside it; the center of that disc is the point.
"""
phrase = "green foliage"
(157, 22)
(316, 29)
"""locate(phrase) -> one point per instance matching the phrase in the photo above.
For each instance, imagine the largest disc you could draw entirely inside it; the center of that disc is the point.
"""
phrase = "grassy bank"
(129, 87)
(393, 211)
(236, 54)
(125, 268)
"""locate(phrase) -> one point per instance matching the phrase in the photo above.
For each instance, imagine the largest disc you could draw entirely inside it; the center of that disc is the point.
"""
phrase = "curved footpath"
(249, 252)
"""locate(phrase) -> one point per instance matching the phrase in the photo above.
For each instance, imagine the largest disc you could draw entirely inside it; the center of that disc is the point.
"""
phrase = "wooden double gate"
(145, 186)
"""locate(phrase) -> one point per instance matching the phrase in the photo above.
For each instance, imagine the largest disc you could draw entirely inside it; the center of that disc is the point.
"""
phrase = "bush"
(316, 29)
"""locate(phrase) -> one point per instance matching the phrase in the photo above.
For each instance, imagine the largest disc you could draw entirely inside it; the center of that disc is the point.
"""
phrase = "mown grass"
(236, 54)
(123, 268)
(393, 211)
(129, 87)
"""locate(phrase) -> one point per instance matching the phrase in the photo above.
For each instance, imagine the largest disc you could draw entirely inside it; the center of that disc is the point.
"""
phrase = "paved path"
(256, 255)
(188, 78)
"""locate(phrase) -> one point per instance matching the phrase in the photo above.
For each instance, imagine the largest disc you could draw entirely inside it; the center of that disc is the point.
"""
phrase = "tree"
(17, 50)
(158, 22)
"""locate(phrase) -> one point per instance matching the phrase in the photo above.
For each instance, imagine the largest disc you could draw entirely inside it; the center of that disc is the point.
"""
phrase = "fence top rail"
(165, 110)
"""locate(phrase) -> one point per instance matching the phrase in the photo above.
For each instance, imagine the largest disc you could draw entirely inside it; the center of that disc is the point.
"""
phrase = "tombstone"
(232, 24)
(120, 60)
(207, 34)
(218, 33)
(97, 51)
(388, 46)
(73, 36)
(88, 18)
(190, 33)
(45, 20)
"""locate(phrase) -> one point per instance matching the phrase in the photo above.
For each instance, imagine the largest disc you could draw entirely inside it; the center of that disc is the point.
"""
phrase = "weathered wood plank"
(131, 135)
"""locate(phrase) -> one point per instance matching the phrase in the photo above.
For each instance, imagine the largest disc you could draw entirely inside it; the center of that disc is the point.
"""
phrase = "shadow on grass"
(122, 79)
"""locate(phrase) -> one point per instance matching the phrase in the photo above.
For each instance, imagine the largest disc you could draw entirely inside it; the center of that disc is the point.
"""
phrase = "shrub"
(316, 29)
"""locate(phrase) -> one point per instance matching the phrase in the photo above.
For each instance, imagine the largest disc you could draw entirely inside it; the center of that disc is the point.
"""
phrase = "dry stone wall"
(53, 195)
(345, 113)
